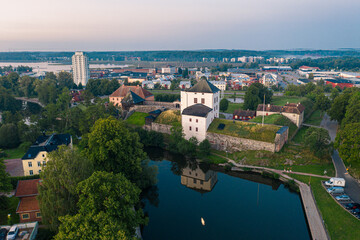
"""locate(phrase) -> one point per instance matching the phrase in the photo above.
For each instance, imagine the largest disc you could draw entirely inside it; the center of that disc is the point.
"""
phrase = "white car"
(13, 232)
(343, 198)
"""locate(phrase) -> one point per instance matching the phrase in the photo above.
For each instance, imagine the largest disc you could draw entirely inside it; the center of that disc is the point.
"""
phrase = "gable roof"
(47, 143)
(138, 90)
(132, 98)
(204, 86)
(28, 204)
(26, 188)
(198, 110)
(296, 108)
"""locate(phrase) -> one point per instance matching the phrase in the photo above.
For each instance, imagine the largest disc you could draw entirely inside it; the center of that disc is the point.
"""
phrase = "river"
(235, 206)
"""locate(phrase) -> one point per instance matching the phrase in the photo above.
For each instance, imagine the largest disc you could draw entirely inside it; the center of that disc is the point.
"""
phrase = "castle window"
(196, 129)
(189, 119)
(203, 100)
(197, 120)
(190, 128)
(195, 100)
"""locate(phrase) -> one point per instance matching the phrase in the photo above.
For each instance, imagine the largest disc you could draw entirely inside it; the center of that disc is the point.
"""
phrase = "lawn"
(169, 117)
(233, 106)
(315, 118)
(339, 223)
(8, 206)
(282, 100)
(247, 130)
(14, 153)
(137, 118)
(277, 119)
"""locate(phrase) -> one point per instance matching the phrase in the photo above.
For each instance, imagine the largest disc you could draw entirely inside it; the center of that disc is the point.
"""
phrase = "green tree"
(204, 148)
(255, 96)
(65, 80)
(5, 185)
(334, 93)
(27, 87)
(106, 209)
(348, 143)
(322, 102)
(9, 137)
(113, 148)
(224, 104)
(318, 140)
(339, 105)
(57, 193)
(352, 114)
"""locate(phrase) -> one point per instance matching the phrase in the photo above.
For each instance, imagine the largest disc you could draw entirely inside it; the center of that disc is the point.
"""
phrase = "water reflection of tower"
(198, 179)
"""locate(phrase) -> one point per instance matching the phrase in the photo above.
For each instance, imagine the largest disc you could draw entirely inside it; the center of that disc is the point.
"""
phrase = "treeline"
(164, 97)
(19, 69)
(337, 63)
(101, 87)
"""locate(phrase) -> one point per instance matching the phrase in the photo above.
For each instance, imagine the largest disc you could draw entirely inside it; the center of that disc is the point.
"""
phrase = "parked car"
(355, 211)
(3, 232)
(352, 205)
(335, 190)
(343, 198)
(13, 232)
(335, 182)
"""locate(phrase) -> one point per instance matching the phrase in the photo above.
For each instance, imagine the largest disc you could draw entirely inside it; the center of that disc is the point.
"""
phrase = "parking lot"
(345, 201)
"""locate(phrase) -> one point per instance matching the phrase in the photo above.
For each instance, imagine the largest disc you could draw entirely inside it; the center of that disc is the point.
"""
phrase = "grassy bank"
(339, 223)
(282, 100)
(169, 117)
(14, 153)
(315, 118)
(137, 118)
(247, 130)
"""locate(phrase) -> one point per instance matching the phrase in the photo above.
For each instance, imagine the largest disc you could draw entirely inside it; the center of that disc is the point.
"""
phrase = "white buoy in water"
(202, 221)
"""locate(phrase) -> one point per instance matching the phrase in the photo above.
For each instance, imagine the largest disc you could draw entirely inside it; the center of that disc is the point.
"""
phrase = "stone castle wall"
(157, 127)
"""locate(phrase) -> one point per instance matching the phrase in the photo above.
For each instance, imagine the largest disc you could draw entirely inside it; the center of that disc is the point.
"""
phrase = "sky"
(126, 25)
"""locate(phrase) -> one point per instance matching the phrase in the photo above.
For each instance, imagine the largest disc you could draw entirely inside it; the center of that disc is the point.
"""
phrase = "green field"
(14, 153)
(137, 118)
(339, 223)
(282, 100)
(233, 106)
(315, 118)
(247, 130)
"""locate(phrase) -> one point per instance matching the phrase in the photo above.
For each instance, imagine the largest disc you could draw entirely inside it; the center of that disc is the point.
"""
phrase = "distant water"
(54, 67)
(244, 207)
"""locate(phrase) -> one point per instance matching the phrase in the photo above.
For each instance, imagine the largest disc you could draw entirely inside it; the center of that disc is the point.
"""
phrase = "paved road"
(352, 187)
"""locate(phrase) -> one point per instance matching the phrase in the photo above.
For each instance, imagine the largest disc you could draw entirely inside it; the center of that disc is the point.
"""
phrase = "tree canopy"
(255, 96)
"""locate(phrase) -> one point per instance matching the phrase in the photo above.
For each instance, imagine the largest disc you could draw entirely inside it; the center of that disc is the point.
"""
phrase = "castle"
(199, 107)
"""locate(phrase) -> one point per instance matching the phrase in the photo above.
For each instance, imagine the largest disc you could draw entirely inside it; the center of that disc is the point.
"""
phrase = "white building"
(219, 84)
(148, 84)
(80, 68)
(185, 84)
(168, 70)
(199, 107)
(270, 79)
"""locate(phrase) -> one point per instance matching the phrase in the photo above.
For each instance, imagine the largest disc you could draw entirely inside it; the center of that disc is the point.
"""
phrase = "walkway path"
(33, 100)
(316, 225)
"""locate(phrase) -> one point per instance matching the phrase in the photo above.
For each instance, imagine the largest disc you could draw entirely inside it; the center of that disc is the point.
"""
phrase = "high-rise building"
(80, 68)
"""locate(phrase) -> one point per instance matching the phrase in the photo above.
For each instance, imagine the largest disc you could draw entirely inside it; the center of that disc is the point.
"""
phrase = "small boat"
(202, 221)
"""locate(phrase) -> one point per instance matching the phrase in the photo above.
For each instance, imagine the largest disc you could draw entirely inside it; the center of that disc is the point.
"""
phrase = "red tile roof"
(27, 188)
(28, 204)
(138, 90)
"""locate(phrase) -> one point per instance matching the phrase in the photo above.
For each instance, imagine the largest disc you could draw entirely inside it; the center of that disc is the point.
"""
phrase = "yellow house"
(198, 179)
(36, 157)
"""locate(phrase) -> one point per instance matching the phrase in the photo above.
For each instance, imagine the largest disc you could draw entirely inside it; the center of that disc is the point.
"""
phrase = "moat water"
(196, 201)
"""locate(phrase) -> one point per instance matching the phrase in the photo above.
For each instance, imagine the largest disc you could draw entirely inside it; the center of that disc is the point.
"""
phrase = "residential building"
(185, 84)
(219, 84)
(148, 84)
(28, 207)
(199, 106)
(80, 68)
(36, 156)
(270, 79)
(340, 83)
(168, 70)
(137, 92)
(293, 111)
